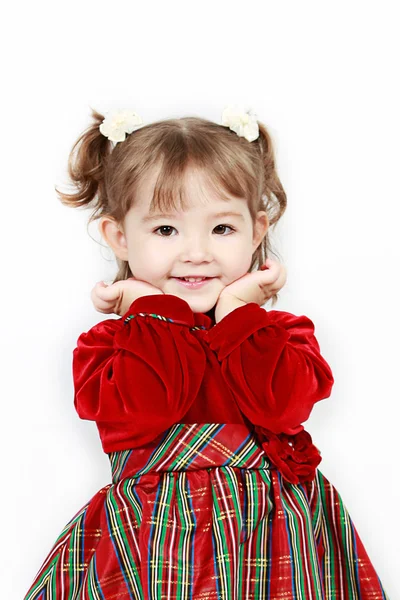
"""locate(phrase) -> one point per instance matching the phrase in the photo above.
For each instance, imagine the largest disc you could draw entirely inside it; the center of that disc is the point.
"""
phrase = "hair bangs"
(225, 173)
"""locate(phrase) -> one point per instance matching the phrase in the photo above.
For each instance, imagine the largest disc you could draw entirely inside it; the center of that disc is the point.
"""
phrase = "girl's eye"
(170, 227)
(164, 227)
(232, 228)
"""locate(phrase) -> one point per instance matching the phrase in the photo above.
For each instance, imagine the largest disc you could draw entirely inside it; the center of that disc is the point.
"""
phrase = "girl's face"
(195, 242)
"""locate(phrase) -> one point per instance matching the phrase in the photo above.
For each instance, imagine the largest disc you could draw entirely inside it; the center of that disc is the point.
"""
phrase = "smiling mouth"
(199, 278)
(192, 284)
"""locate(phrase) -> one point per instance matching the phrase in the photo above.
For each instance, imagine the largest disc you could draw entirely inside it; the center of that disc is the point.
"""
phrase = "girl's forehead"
(195, 194)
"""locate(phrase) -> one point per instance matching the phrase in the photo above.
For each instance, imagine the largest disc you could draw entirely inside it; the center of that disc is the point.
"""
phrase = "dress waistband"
(189, 447)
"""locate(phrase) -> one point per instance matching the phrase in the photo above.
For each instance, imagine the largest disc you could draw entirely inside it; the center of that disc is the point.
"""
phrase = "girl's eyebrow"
(225, 213)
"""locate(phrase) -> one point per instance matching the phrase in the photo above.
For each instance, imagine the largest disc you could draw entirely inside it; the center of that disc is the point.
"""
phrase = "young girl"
(199, 393)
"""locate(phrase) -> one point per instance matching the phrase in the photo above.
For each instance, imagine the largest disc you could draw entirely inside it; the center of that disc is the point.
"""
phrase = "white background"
(323, 77)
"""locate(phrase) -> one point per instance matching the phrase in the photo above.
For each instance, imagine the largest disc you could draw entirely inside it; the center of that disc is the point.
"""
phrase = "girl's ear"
(261, 225)
(113, 235)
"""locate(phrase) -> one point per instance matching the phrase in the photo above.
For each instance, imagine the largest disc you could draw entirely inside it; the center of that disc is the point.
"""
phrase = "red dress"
(215, 488)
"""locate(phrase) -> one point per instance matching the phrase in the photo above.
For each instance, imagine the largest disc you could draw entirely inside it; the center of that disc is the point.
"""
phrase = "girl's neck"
(211, 314)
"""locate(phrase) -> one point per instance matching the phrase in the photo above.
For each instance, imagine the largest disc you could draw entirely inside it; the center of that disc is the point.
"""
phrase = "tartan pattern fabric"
(200, 513)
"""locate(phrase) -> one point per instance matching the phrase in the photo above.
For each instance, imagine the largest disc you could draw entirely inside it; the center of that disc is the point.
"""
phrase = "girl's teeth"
(192, 279)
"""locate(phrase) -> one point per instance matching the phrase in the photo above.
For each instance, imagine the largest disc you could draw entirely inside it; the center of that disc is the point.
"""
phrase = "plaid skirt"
(201, 513)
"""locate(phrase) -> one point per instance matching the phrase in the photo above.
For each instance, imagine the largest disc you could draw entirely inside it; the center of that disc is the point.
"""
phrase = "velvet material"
(137, 378)
(271, 362)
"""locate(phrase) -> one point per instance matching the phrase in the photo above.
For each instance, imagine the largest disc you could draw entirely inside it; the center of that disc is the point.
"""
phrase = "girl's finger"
(106, 293)
(103, 284)
(271, 272)
(269, 263)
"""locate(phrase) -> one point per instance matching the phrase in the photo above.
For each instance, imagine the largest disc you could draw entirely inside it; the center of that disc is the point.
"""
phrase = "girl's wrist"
(225, 305)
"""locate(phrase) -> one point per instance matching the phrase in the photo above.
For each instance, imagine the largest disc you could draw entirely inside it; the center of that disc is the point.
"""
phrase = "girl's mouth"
(193, 284)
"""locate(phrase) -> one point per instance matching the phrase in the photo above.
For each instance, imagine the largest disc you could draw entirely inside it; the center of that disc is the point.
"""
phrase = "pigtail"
(273, 200)
(87, 165)
(274, 194)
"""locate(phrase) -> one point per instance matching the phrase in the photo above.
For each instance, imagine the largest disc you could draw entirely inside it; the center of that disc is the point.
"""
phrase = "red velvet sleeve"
(137, 378)
(272, 363)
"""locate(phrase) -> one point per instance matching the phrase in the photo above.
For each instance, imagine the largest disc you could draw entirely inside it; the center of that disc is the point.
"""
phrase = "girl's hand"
(258, 286)
(117, 297)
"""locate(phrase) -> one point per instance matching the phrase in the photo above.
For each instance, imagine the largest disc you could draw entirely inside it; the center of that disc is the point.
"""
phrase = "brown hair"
(106, 177)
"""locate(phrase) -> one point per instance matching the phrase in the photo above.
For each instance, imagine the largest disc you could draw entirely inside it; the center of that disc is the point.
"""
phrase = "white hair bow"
(243, 122)
(118, 123)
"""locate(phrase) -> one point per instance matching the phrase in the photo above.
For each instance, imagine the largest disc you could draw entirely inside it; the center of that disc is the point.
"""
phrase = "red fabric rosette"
(295, 456)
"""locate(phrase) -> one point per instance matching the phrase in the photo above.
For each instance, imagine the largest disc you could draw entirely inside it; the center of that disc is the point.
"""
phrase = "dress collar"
(172, 307)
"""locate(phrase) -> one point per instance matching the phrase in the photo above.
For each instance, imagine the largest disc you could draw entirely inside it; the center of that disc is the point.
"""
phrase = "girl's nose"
(197, 250)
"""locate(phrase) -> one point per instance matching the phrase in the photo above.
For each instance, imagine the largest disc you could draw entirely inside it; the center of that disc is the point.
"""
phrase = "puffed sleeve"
(137, 375)
(272, 363)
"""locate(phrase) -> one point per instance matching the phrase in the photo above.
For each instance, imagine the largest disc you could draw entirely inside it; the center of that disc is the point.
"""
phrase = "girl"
(198, 392)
